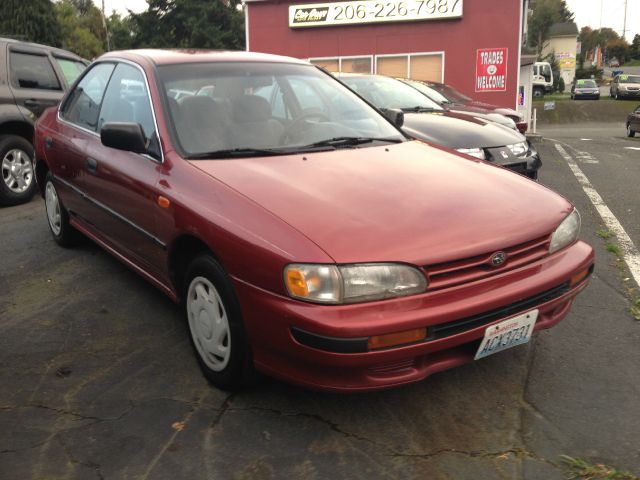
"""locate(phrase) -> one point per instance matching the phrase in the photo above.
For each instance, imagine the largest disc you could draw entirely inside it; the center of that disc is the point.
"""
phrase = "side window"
(83, 104)
(32, 71)
(71, 69)
(127, 100)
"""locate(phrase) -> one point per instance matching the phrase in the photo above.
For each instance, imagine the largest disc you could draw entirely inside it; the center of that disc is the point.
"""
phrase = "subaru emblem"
(498, 259)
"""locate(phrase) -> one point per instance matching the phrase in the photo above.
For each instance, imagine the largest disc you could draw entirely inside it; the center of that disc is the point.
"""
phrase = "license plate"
(507, 334)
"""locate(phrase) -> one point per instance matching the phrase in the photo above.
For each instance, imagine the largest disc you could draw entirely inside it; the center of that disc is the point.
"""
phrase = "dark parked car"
(309, 239)
(32, 78)
(625, 86)
(426, 120)
(633, 122)
(585, 89)
(447, 105)
(455, 100)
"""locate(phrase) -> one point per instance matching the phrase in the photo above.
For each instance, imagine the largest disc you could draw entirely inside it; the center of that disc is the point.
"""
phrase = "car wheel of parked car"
(58, 218)
(216, 326)
(630, 132)
(18, 180)
(617, 96)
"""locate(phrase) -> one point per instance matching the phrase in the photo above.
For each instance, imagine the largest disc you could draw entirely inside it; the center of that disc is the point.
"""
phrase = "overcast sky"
(587, 12)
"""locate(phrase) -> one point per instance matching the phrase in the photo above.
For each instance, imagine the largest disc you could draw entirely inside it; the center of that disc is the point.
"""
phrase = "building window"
(345, 64)
(420, 66)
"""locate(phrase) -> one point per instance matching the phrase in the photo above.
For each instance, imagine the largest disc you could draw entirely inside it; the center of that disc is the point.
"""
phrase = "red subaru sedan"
(304, 234)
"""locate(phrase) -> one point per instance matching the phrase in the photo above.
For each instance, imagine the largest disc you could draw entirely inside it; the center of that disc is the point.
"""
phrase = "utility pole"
(106, 31)
(624, 28)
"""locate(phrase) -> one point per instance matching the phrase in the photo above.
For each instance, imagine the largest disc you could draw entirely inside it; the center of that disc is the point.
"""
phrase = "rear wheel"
(57, 216)
(630, 131)
(538, 92)
(215, 323)
(16, 162)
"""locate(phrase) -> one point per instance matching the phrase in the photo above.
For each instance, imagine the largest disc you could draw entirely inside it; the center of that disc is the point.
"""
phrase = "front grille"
(457, 326)
(393, 367)
(448, 274)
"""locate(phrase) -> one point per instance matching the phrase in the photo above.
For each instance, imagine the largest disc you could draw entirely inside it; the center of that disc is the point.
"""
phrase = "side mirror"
(124, 136)
(395, 116)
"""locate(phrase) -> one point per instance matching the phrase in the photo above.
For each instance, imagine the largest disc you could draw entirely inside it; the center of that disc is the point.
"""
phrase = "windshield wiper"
(338, 142)
(238, 152)
(420, 109)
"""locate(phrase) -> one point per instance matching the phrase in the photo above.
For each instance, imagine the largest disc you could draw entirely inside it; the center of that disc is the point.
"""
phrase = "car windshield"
(229, 109)
(385, 92)
(586, 84)
(428, 91)
(629, 78)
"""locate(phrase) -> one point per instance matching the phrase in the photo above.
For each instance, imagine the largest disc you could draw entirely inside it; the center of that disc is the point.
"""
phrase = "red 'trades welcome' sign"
(491, 70)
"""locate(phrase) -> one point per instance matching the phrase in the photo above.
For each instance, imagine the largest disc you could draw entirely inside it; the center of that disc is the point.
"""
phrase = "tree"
(635, 46)
(32, 20)
(122, 33)
(619, 49)
(189, 24)
(545, 14)
(80, 33)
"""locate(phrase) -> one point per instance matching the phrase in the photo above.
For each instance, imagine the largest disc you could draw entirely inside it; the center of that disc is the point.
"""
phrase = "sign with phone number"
(346, 13)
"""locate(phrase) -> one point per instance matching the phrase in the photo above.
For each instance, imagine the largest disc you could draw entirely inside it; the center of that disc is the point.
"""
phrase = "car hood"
(407, 202)
(458, 130)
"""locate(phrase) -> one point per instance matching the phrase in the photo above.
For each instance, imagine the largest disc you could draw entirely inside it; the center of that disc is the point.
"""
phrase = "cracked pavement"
(98, 381)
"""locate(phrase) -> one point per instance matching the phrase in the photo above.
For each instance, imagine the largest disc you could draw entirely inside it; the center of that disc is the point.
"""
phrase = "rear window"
(33, 71)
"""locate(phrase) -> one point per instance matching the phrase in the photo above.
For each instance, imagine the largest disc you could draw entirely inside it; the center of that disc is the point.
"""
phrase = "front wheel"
(630, 132)
(18, 183)
(216, 326)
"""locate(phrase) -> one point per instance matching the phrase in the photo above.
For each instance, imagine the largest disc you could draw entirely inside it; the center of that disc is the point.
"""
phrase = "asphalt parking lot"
(97, 377)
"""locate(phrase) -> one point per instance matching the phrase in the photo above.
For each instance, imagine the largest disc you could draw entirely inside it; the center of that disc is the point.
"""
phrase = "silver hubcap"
(52, 204)
(17, 170)
(208, 323)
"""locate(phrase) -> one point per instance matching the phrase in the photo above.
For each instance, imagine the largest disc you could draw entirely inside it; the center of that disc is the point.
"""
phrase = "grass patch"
(581, 469)
(613, 248)
(549, 97)
(578, 111)
(635, 309)
(632, 63)
(606, 234)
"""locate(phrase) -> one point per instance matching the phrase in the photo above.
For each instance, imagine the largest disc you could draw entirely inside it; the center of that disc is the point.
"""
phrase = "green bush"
(561, 85)
(591, 72)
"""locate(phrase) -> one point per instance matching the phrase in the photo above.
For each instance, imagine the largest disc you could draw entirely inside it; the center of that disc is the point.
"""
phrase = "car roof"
(56, 51)
(170, 57)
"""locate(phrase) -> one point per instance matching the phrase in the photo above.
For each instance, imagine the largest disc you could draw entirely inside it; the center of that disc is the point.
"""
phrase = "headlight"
(352, 283)
(519, 149)
(474, 152)
(566, 233)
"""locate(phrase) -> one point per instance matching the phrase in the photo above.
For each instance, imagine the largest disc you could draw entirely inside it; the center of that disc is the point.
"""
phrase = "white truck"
(542, 79)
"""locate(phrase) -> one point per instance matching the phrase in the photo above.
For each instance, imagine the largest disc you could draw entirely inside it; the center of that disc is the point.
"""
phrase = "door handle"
(91, 165)
(31, 103)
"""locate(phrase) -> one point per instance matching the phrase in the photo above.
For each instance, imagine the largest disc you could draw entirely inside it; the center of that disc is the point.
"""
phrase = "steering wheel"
(296, 125)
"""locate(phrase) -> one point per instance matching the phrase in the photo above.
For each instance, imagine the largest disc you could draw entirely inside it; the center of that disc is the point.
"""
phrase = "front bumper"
(527, 166)
(586, 96)
(274, 324)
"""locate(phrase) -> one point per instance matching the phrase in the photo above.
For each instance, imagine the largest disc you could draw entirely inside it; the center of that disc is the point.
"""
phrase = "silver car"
(625, 86)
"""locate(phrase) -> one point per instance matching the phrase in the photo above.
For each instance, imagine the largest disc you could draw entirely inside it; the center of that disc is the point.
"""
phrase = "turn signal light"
(578, 277)
(395, 339)
(296, 283)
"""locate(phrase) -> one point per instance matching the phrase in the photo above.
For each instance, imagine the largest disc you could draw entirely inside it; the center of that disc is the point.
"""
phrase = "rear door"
(33, 79)
(76, 129)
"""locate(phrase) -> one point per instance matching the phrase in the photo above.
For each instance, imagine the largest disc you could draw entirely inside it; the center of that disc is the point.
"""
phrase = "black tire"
(235, 370)
(16, 165)
(61, 230)
(538, 92)
(617, 96)
(630, 133)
